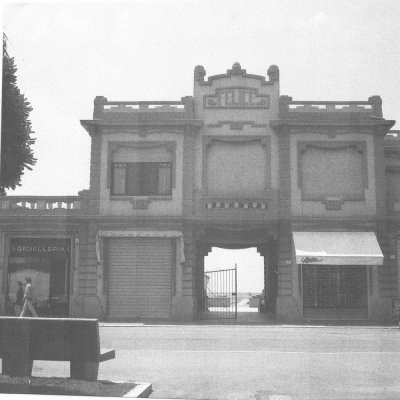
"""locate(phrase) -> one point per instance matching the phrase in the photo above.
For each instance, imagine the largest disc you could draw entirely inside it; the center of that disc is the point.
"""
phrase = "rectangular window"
(142, 179)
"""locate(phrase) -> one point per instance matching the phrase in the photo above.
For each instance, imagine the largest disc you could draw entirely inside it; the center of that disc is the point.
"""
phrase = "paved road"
(252, 362)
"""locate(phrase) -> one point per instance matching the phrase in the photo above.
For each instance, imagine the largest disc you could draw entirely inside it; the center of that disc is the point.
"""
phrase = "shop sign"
(39, 247)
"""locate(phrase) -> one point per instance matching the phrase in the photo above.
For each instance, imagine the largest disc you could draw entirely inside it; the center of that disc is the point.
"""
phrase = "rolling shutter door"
(139, 277)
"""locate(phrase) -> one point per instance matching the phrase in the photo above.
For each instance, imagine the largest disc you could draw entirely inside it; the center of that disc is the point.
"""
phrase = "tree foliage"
(16, 129)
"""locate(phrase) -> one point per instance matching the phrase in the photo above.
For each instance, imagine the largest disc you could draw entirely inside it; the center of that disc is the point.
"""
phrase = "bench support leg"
(16, 366)
(86, 371)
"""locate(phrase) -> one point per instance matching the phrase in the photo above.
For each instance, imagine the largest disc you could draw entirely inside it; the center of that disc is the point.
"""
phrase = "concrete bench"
(23, 340)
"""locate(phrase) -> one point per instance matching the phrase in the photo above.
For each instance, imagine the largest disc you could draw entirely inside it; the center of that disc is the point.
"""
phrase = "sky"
(69, 53)
(249, 264)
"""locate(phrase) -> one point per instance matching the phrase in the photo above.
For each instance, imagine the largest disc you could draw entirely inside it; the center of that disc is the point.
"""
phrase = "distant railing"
(393, 135)
(288, 107)
(225, 204)
(40, 203)
(103, 107)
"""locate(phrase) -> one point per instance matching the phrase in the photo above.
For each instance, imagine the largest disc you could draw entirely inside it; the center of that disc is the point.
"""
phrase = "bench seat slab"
(86, 371)
(15, 366)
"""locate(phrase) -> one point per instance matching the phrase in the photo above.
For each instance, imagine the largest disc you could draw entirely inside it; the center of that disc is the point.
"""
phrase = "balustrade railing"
(40, 203)
(105, 108)
(393, 135)
(288, 107)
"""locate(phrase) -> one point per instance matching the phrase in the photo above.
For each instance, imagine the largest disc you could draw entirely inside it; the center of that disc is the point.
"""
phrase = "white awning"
(337, 248)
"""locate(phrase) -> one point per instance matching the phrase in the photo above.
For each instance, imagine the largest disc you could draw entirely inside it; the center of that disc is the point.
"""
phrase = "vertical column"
(3, 264)
(95, 172)
(184, 302)
(90, 301)
(285, 266)
(202, 250)
(74, 274)
(284, 172)
(380, 178)
(289, 304)
(271, 261)
(386, 278)
(188, 172)
(179, 273)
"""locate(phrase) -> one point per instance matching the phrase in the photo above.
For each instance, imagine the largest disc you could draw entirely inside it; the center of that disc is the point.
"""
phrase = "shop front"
(47, 262)
(336, 273)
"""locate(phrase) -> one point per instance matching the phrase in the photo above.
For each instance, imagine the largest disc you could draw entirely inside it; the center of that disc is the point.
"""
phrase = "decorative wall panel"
(332, 170)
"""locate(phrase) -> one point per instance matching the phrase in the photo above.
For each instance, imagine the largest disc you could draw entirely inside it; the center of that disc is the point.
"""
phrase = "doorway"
(235, 284)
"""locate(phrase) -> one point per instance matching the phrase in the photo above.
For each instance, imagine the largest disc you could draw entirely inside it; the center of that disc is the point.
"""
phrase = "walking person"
(19, 301)
(28, 299)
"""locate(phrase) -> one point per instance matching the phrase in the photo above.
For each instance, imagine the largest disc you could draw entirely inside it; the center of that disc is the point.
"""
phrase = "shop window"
(47, 262)
(141, 179)
(333, 286)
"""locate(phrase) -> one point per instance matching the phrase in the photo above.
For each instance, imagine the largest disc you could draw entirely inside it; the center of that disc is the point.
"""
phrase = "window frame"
(142, 180)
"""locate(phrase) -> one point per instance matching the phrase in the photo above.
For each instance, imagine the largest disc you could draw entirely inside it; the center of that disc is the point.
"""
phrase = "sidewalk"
(218, 322)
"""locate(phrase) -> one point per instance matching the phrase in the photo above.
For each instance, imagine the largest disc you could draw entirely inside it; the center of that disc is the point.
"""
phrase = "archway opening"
(250, 279)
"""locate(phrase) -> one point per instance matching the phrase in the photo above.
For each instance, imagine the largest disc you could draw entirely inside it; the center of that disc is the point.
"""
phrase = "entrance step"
(242, 318)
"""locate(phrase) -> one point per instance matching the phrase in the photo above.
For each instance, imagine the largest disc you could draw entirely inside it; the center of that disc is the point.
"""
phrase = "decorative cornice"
(237, 125)
(91, 125)
(373, 125)
(236, 97)
(226, 204)
(236, 139)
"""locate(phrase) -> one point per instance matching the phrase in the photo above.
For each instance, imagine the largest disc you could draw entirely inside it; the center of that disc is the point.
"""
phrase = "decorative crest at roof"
(236, 70)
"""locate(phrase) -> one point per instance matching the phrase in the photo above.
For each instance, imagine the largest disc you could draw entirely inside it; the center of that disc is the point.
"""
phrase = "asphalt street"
(251, 361)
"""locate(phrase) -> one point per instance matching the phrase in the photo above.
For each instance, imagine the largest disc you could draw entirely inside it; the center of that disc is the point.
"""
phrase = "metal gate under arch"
(220, 294)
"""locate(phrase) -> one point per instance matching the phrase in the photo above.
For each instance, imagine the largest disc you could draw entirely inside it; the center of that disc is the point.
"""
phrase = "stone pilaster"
(284, 172)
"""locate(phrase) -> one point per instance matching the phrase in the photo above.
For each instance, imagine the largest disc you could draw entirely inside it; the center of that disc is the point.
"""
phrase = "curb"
(142, 389)
(143, 325)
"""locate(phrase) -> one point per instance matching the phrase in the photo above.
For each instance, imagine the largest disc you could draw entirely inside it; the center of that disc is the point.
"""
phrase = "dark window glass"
(119, 178)
(149, 179)
(133, 179)
(142, 179)
(334, 286)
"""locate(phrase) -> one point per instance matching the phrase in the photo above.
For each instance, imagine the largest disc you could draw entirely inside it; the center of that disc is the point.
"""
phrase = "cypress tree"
(16, 129)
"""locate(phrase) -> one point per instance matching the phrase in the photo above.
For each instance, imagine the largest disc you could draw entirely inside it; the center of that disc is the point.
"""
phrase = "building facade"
(313, 185)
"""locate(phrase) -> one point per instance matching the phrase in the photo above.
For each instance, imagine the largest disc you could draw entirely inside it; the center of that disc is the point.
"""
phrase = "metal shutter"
(139, 277)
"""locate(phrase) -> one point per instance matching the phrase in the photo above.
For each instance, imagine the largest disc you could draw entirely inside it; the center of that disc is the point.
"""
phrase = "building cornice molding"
(183, 126)
(74, 221)
(375, 127)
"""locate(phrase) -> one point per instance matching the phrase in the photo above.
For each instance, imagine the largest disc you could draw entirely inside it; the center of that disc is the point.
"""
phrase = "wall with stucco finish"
(122, 205)
(236, 151)
(364, 207)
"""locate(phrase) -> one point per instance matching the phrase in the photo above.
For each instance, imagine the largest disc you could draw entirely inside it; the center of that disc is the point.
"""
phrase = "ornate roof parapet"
(99, 103)
(142, 113)
(273, 73)
(199, 73)
(358, 114)
(317, 110)
(376, 102)
(236, 70)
